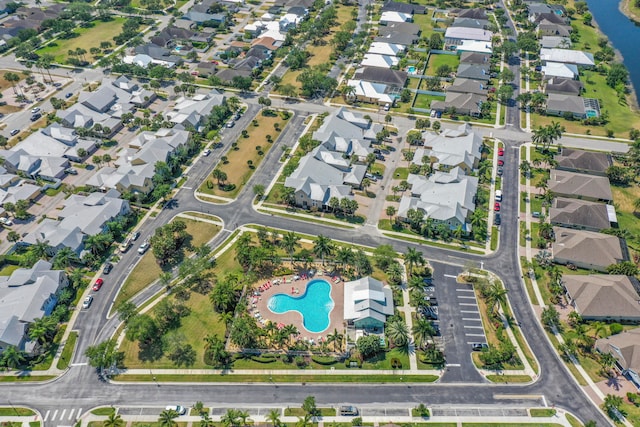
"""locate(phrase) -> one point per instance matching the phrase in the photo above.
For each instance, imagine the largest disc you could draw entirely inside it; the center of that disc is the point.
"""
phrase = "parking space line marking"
(466, 297)
(55, 413)
(472, 327)
(450, 276)
(46, 415)
(463, 290)
(474, 335)
(475, 342)
(470, 311)
(472, 319)
(468, 303)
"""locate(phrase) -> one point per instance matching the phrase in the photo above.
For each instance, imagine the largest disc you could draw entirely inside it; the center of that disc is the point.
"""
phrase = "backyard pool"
(314, 305)
(411, 70)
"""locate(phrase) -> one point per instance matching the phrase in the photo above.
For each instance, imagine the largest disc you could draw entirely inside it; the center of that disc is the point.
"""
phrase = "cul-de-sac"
(319, 213)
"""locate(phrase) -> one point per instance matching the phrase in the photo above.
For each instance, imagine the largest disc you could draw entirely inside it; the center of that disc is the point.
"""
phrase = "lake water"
(623, 34)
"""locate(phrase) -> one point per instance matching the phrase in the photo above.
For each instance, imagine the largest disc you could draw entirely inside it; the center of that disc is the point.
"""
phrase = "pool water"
(411, 70)
(314, 305)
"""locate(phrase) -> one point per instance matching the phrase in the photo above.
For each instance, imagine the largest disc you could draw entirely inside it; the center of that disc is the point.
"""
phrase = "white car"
(87, 302)
(143, 247)
(206, 152)
(181, 410)
(35, 110)
(6, 221)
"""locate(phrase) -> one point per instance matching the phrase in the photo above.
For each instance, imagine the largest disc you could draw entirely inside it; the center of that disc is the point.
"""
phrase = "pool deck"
(336, 317)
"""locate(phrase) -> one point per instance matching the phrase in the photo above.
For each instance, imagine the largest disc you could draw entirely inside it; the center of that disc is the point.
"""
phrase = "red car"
(500, 152)
(98, 284)
(500, 162)
(496, 208)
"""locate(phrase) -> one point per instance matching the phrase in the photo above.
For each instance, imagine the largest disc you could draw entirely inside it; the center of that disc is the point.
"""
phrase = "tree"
(104, 355)
(41, 329)
(258, 190)
(12, 357)
(504, 93)
(230, 418)
(219, 175)
(309, 406)
(507, 75)
(423, 331)
(215, 352)
(550, 317)
(435, 41)
(335, 338)
(126, 311)
(368, 346)
(13, 236)
(612, 405)
(628, 268)
(391, 211)
(617, 74)
(167, 417)
(114, 420)
(323, 247)
(398, 332)
(495, 296)
(64, 257)
(273, 417)
(290, 241)
(413, 257)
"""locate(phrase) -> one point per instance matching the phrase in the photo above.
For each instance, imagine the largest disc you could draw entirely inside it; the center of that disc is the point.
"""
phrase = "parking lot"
(459, 321)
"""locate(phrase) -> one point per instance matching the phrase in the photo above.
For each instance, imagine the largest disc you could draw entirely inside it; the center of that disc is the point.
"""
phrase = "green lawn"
(67, 351)
(438, 60)
(542, 412)
(86, 38)
(424, 101)
(7, 269)
(299, 412)
(346, 378)
(106, 411)
(15, 412)
(506, 379)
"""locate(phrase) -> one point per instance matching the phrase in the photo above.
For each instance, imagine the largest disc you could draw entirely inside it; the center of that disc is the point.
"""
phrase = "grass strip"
(67, 351)
(242, 378)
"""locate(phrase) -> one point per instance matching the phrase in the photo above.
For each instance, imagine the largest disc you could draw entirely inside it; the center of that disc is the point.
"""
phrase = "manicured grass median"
(67, 352)
(240, 378)
(542, 412)
(25, 378)
(106, 411)
(299, 412)
(15, 412)
(509, 378)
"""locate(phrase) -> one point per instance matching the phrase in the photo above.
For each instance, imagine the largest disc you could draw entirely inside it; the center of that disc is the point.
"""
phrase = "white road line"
(79, 364)
(71, 414)
(46, 415)
(466, 297)
(62, 414)
(55, 413)
(470, 311)
(475, 342)
(463, 290)
(474, 335)
(188, 188)
(450, 276)
(468, 303)
(472, 319)
(79, 412)
(472, 327)
(453, 365)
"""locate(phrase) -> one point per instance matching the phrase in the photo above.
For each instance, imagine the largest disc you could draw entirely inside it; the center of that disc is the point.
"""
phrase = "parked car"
(14, 132)
(500, 171)
(498, 195)
(500, 152)
(107, 268)
(433, 301)
(535, 214)
(6, 221)
(35, 110)
(496, 207)
(87, 302)
(68, 95)
(348, 411)
(479, 346)
(497, 220)
(500, 162)
(98, 285)
(71, 171)
(206, 152)
(181, 410)
(387, 107)
(35, 117)
(135, 235)
(231, 124)
(143, 247)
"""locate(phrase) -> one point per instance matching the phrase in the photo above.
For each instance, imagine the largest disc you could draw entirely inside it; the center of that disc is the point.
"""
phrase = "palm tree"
(290, 241)
(40, 328)
(599, 328)
(304, 421)
(290, 331)
(391, 211)
(230, 418)
(219, 175)
(398, 332)
(114, 420)
(64, 257)
(335, 338)
(495, 296)
(166, 418)
(274, 417)
(423, 331)
(12, 357)
(39, 249)
(322, 247)
(608, 361)
(344, 256)
(243, 416)
(412, 258)
(540, 136)
(555, 131)
(394, 273)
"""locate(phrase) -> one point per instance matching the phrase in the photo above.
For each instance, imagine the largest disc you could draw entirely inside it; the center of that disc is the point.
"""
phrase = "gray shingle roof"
(579, 213)
(604, 295)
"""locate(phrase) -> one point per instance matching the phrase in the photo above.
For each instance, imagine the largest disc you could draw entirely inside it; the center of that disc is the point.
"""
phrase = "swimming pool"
(411, 70)
(314, 305)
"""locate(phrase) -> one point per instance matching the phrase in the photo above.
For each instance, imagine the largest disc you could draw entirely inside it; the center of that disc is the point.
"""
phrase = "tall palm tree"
(394, 273)
(64, 257)
(496, 295)
(344, 256)
(335, 338)
(290, 331)
(608, 361)
(274, 417)
(114, 420)
(39, 249)
(167, 417)
(12, 357)
(540, 136)
(230, 418)
(599, 328)
(290, 241)
(41, 328)
(323, 247)
(413, 257)
(243, 416)
(398, 332)
(304, 421)
(423, 331)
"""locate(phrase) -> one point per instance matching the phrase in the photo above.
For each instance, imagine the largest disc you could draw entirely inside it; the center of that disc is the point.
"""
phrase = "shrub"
(356, 421)
(615, 328)
(634, 398)
(209, 184)
(300, 362)
(396, 363)
(264, 358)
(324, 360)
(228, 187)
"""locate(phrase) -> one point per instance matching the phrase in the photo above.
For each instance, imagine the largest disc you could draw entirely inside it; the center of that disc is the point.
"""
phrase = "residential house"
(581, 161)
(13, 189)
(474, 13)
(408, 8)
(82, 216)
(476, 46)
(581, 214)
(567, 56)
(193, 111)
(206, 69)
(398, 37)
(462, 85)
(388, 17)
(226, 75)
(27, 294)
(550, 42)
(56, 141)
(559, 104)
(559, 70)
(454, 36)
(474, 72)
(380, 48)
(173, 36)
(202, 18)
(159, 55)
(445, 197)
(467, 104)
(400, 27)
(474, 58)
(482, 24)
(625, 348)
(587, 249)
(563, 86)
(267, 42)
(383, 61)
(459, 148)
(367, 303)
(49, 168)
(535, 9)
(580, 186)
(548, 28)
(394, 79)
(604, 297)
(373, 93)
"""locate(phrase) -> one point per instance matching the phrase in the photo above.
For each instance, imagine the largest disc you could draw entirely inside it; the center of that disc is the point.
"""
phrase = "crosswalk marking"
(55, 414)
(62, 414)
(46, 415)
(71, 414)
